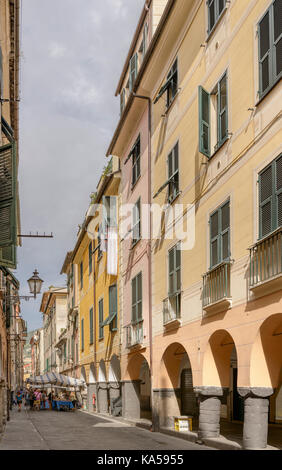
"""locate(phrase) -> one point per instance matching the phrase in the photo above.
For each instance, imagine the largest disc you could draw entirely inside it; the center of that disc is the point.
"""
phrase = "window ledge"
(219, 306)
(220, 146)
(173, 323)
(219, 19)
(267, 91)
(133, 185)
(168, 108)
(267, 286)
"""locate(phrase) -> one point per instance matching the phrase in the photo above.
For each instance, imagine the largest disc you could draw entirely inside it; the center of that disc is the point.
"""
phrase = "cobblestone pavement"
(51, 430)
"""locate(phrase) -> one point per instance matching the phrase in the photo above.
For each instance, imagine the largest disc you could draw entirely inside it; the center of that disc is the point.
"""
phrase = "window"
(270, 47)
(170, 87)
(174, 270)
(173, 174)
(270, 198)
(133, 70)
(99, 250)
(81, 275)
(145, 40)
(113, 307)
(136, 295)
(215, 8)
(220, 235)
(213, 117)
(122, 100)
(90, 257)
(136, 161)
(82, 334)
(174, 280)
(101, 318)
(136, 229)
(91, 333)
(109, 214)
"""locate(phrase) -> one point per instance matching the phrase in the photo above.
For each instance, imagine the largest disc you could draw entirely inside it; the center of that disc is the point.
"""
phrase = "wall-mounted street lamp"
(35, 284)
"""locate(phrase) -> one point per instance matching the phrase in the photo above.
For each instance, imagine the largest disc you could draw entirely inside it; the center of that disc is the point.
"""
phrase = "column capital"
(102, 385)
(256, 392)
(210, 391)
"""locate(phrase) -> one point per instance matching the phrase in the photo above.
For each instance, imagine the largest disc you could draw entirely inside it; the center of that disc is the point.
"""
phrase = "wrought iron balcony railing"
(266, 259)
(216, 284)
(134, 334)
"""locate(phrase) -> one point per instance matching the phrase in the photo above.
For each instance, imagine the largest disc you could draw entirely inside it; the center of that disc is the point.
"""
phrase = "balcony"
(172, 311)
(266, 264)
(216, 289)
(134, 335)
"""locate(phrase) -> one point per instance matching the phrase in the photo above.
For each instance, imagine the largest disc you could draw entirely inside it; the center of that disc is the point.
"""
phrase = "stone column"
(166, 405)
(102, 397)
(209, 408)
(114, 391)
(256, 406)
(131, 399)
(91, 388)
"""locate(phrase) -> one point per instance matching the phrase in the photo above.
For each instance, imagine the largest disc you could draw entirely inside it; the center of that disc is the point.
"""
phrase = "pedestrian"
(51, 399)
(19, 399)
(27, 397)
(31, 399)
(37, 400)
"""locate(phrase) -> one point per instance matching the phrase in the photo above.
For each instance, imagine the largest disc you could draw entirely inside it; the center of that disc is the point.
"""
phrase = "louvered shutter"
(113, 304)
(91, 333)
(8, 229)
(222, 110)
(266, 201)
(204, 122)
(82, 335)
(279, 190)
(101, 318)
(264, 52)
(277, 30)
(133, 70)
(139, 296)
(214, 235)
(225, 232)
(134, 300)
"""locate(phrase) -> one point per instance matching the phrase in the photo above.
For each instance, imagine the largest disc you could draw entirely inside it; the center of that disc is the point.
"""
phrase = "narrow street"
(46, 430)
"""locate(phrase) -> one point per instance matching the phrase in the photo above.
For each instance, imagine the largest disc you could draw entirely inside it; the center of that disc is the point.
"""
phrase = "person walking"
(31, 399)
(27, 398)
(19, 399)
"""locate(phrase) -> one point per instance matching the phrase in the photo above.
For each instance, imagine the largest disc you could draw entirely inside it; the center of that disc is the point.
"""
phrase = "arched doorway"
(114, 386)
(136, 390)
(266, 364)
(92, 389)
(102, 389)
(176, 393)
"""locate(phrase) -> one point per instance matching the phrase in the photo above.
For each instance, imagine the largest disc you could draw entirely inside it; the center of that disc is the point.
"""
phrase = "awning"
(109, 319)
(53, 378)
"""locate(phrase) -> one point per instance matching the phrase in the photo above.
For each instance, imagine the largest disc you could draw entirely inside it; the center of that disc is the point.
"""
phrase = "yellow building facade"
(212, 74)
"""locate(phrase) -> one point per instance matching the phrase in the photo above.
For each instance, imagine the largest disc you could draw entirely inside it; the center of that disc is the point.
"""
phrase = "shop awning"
(53, 378)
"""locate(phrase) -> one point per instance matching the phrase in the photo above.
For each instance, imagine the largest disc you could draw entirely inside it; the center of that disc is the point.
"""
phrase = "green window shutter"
(136, 222)
(173, 173)
(90, 257)
(265, 59)
(204, 122)
(113, 211)
(211, 13)
(91, 333)
(145, 39)
(266, 208)
(174, 270)
(222, 110)
(81, 274)
(122, 100)
(8, 218)
(101, 318)
(278, 189)
(277, 35)
(136, 161)
(133, 70)
(220, 235)
(113, 305)
(136, 289)
(82, 335)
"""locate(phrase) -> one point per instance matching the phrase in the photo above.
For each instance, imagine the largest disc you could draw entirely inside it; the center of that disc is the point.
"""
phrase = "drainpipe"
(150, 246)
(95, 323)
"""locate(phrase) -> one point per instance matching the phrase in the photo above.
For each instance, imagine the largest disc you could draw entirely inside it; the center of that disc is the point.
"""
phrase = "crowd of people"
(38, 399)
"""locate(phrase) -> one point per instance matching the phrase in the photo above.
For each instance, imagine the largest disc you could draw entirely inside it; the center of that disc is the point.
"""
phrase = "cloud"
(68, 113)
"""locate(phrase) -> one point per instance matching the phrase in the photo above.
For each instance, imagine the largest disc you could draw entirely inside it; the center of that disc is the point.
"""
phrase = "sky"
(72, 55)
